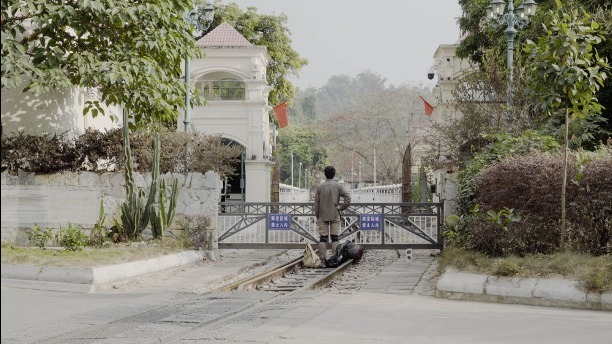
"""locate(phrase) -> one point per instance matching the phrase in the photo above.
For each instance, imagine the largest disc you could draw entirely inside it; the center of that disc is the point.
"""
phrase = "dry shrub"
(590, 211)
(103, 151)
(531, 186)
(44, 154)
(529, 236)
(199, 231)
(528, 184)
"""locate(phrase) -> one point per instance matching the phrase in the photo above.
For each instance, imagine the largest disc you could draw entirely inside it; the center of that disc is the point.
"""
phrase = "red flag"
(428, 108)
(281, 114)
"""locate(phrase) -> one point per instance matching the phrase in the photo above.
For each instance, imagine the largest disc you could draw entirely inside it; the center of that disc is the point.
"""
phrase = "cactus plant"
(160, 217)
(135, 211)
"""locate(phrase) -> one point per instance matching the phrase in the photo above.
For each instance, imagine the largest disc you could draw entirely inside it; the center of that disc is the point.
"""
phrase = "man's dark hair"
(330, 172)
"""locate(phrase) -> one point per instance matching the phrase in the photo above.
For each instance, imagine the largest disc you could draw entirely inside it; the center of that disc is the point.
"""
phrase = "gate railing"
(291, 225)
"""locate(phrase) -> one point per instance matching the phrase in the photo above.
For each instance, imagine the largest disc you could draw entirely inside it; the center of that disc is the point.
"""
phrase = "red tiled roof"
(223, 36)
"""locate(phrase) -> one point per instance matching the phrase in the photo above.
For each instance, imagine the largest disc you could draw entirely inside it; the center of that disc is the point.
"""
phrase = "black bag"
(345, 251)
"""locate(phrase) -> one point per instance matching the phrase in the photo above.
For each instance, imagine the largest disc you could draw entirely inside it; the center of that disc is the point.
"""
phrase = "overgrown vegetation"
(514, 205)
(523, 188)
(103, 151)
(198, 231)
(89, 256)
(593, 273)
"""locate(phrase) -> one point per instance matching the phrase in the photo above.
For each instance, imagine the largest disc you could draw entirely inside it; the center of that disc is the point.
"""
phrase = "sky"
(395, 39)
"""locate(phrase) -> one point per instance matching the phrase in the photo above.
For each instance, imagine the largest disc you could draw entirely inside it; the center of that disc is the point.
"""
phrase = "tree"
(131, 52)
(483, 38)
(567, 72)
(480, 98)
(304, 144)
(376, 123)
(269, 31)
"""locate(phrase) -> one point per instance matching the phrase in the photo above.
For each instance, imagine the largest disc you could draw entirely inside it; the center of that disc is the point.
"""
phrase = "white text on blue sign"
(370, 221)
(279, 221)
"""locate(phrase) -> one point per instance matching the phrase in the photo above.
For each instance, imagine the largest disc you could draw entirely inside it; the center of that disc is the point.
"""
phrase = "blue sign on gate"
(370, 221)
(279, 221)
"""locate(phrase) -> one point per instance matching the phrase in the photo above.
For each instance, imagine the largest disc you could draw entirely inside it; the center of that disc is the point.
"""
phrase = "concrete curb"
(513, 290)
(87, 279)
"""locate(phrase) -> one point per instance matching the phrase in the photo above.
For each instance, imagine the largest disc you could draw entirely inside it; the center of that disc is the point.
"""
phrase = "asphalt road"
(145, 310)
(29, 315)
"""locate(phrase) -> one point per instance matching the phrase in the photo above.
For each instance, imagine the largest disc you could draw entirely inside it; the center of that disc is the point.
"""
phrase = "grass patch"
(593, 273)
(89, 257)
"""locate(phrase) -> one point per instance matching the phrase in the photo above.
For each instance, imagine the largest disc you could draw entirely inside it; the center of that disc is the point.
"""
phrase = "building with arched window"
(232, 78)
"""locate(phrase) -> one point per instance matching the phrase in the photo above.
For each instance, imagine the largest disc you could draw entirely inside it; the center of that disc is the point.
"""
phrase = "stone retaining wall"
(53, 201)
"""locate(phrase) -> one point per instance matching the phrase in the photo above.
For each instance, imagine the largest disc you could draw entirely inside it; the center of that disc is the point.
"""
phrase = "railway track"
(194, 314)
(288, 278)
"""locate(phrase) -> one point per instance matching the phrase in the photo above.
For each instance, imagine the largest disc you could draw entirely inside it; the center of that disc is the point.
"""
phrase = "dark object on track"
(345, 251)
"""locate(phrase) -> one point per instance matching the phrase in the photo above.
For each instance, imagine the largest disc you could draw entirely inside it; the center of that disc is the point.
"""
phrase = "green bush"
(72, 238)
(39, 237)
(507, 268)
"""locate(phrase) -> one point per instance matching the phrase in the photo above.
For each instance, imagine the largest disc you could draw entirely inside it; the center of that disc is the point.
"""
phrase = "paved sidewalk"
(190, 272)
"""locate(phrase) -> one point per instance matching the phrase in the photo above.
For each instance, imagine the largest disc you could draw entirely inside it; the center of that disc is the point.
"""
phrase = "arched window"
(226, 89)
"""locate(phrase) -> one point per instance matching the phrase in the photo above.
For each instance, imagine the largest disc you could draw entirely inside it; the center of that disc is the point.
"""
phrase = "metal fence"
(291, 225)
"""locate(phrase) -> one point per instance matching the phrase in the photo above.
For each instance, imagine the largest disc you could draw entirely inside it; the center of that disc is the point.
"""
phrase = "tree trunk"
(564, 182)
(406, 177)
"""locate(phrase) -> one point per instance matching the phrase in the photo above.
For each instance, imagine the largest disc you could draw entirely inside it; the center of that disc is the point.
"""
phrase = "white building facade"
(232, 78)
(448, 68)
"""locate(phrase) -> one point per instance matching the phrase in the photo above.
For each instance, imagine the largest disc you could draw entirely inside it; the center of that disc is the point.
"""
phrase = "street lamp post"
(300, 176)
(200, 18)
(512, 19)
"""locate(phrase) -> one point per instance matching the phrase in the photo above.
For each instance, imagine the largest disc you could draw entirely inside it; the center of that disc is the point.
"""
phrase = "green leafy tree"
(567, 72)
(484, 38)
(305, 144)
(130, 51)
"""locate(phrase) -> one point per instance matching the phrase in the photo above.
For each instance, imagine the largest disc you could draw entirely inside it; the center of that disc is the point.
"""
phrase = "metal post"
(374, 175)
(512, 20)
(242, 181)
(510, 33)
(300, 176)
(187, 93)
(291, 168)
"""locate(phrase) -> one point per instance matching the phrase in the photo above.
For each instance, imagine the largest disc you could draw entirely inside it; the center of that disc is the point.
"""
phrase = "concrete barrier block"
(559, 289)
(462, 282)
(66, 275)
(510, 286)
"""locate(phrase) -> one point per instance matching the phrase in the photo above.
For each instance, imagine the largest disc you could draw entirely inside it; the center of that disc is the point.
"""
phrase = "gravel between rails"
(353, 279)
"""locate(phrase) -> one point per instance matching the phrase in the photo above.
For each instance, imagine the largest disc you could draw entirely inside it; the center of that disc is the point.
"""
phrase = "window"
(227, 89)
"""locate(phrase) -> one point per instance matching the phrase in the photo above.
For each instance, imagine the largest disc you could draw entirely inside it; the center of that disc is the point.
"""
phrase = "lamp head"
(530, 7)
(520, 11)
(490, 14)
(497, 7)
(202, 18)
(209, 13)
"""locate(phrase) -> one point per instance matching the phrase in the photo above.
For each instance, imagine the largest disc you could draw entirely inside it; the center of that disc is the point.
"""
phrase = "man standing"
(327, 211)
